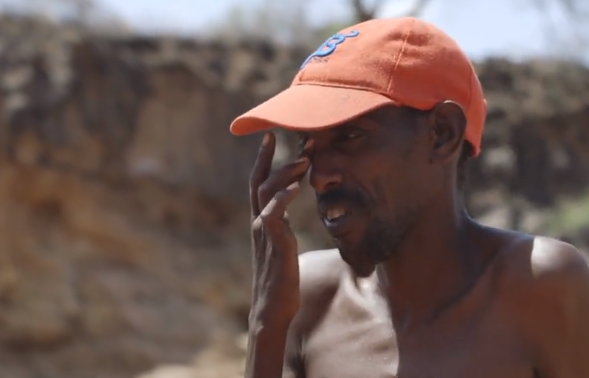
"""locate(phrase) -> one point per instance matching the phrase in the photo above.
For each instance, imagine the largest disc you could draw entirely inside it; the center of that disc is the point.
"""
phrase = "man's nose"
(324, 175)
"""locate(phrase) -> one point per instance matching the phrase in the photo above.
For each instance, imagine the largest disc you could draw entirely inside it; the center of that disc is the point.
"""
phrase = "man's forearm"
(265, 351)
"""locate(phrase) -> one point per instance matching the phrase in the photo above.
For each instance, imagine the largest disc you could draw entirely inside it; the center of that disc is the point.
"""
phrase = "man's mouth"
(336, 221)
(332, 215)
(340, 210)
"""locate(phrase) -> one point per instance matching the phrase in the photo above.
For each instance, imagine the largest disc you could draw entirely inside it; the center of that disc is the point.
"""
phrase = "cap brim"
(308, 107)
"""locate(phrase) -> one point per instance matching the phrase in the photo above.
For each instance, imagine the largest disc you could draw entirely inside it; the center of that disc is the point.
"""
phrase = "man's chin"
(363, 271)
(359, 263)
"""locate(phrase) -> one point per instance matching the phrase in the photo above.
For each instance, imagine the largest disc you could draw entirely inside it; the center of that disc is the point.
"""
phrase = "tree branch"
(363, 12)
(417, 8)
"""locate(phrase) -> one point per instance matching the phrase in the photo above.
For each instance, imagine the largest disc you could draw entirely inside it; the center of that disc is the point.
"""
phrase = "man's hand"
(276, 295)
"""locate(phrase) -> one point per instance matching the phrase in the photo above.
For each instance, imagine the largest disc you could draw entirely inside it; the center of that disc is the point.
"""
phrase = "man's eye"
(353, 135)
(302, 142)
(349, 135)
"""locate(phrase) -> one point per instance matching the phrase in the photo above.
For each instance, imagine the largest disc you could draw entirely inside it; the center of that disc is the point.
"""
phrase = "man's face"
(372, 179)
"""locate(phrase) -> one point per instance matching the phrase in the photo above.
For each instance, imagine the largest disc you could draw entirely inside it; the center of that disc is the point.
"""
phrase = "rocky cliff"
(123, 197)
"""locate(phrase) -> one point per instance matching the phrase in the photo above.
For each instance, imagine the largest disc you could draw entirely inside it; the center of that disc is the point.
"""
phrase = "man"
(387, 112)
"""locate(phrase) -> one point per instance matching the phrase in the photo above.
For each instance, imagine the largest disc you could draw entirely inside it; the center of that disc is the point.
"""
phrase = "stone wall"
(123, 197)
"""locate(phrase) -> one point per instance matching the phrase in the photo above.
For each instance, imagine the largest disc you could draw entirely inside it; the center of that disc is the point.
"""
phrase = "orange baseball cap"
(401, 61)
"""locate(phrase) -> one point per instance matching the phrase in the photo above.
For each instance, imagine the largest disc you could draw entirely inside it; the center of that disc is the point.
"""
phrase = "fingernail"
(307, 148)
(302, 160)
(266, 139)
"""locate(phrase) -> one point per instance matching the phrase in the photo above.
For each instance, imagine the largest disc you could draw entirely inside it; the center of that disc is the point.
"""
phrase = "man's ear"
(447, 123)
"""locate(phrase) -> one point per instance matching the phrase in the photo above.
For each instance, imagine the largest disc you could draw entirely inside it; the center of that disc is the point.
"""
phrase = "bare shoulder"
(545, 265)
(558, 271)
(546, 289)
(545, 283)
(555, 260)
(321, 272)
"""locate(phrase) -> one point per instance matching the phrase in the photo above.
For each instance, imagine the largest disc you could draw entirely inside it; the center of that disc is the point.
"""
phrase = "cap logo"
(329, 46)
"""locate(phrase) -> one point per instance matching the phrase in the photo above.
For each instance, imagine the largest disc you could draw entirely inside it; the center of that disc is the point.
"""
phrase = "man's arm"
(275, 351)
(560, 314)
(271, 353)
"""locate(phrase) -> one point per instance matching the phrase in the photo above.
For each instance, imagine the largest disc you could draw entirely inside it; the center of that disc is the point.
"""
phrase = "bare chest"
(368, 348)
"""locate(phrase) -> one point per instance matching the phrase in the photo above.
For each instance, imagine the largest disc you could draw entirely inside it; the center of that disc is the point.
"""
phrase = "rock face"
(123, 197)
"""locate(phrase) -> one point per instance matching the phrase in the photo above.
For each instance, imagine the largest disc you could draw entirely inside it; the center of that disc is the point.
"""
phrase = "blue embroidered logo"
(329, 46)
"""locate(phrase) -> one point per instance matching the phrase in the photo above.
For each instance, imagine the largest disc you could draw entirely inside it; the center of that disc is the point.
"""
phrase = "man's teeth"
(333, 214)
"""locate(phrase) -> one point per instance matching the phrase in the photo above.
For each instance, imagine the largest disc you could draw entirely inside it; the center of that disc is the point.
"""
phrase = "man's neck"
(433, 267)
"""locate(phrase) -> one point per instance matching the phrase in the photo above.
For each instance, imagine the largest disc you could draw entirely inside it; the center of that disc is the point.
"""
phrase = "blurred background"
(124, 246)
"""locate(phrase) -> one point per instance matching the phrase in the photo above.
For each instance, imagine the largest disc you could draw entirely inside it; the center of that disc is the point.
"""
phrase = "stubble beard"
(381, 241)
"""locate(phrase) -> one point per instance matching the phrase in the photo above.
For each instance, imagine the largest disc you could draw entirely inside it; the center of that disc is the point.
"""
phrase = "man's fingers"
(280, 179)
(261, 170)
(308, 149)
(276, 207)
